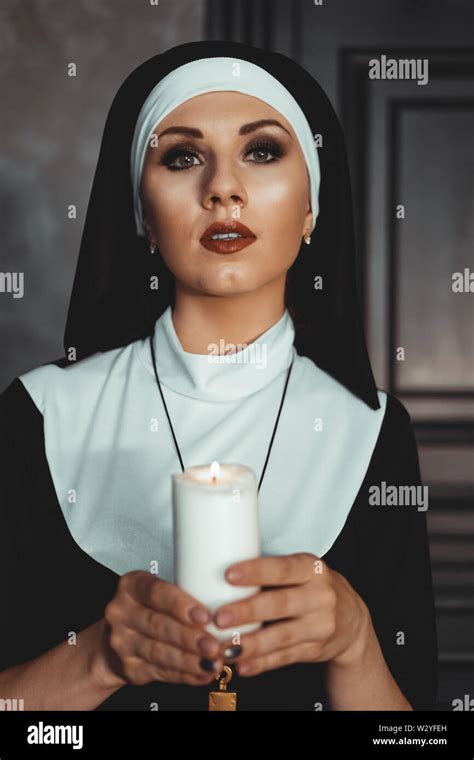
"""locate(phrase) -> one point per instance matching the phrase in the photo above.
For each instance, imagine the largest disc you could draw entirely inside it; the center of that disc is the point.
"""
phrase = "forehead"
(228, 110)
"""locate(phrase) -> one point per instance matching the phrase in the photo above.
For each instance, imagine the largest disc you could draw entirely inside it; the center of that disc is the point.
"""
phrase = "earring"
(152, 247)
(307, 239)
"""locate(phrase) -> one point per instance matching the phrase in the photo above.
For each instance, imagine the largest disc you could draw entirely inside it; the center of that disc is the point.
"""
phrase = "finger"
(174, 676)
(166, 597)
(160, 626)
(273, 604)
(283, 570)
(309, 628)
(141, 672)
(169, 657)
(305, 652)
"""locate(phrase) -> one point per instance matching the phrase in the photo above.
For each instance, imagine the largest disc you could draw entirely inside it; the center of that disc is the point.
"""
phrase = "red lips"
(232, 244)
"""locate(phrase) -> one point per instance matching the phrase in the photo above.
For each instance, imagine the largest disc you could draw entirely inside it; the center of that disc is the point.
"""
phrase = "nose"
(224, 186)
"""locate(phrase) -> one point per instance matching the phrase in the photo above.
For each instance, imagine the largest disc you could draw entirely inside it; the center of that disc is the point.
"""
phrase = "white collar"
(110, 452)
(220, 378)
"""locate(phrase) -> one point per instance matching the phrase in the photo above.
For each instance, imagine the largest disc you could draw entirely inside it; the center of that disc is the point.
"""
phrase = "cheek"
(281, 202)
(165, 205)
(172, 217)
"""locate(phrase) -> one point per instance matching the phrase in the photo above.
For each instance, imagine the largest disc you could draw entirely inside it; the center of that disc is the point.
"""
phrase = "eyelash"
(184, 150)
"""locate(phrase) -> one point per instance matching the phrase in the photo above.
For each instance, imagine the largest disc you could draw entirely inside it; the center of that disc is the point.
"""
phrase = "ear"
(147, 228)
(308, 222)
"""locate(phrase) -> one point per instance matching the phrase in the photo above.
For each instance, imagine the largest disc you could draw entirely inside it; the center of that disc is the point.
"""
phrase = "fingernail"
(207, 665)
(198, 615)
(207, 646)
(225, 618)
(232, 652)
(234, 575)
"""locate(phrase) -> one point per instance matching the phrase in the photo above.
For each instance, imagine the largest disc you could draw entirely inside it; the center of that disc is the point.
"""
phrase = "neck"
(201, 319)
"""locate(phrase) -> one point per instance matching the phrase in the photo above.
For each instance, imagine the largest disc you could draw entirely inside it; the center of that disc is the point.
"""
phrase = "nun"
(220, 215)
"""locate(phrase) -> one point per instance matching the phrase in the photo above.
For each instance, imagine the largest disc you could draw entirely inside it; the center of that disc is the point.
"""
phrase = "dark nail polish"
(207, 665)
(207, 647)
(232, 652)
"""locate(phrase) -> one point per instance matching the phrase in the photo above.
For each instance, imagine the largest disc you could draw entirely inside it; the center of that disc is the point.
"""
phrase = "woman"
(220, 215)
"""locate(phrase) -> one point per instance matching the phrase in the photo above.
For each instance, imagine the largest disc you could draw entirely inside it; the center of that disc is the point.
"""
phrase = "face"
(213, 162)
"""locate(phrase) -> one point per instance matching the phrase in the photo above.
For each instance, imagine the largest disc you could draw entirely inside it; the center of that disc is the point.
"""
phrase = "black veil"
(112, 304)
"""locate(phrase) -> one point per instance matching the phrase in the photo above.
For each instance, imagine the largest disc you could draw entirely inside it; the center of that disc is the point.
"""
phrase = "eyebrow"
(245, 129)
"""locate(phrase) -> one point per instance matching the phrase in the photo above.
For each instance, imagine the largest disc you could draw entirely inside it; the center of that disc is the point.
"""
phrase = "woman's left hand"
(315, 613)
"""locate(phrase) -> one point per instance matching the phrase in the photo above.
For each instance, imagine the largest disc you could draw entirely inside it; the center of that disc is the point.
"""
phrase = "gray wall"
(51, 129)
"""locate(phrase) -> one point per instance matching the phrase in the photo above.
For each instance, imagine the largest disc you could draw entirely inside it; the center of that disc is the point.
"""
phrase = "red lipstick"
(227, 237)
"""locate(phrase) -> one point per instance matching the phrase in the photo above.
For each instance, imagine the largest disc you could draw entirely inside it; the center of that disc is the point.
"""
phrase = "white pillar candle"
(215, 524)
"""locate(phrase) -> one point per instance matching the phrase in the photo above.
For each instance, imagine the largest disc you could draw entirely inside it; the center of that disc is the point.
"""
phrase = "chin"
(224, 290)
(229, 287)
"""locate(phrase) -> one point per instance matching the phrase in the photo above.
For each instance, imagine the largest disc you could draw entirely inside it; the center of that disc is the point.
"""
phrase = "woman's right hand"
(149, 633)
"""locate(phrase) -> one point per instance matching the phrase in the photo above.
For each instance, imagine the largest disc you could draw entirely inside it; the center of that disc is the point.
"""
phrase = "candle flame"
(214, 469)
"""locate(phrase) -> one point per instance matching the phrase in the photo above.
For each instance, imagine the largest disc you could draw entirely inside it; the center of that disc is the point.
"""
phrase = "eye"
(182, 156)
(265, 147)
(175, 155)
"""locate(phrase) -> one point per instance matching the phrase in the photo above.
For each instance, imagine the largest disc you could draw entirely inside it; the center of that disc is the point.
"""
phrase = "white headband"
(212, 75)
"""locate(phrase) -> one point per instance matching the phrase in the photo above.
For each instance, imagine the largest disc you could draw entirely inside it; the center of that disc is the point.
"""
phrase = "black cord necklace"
(171, 426)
